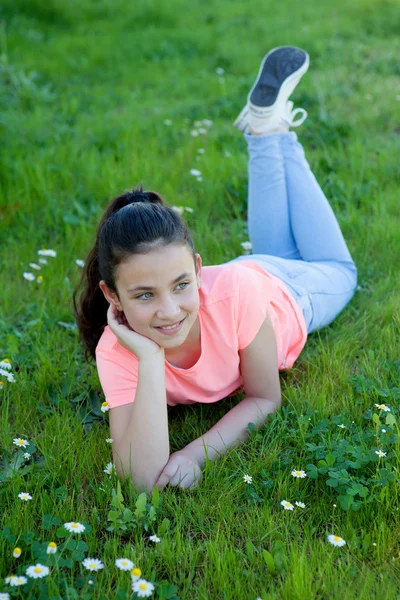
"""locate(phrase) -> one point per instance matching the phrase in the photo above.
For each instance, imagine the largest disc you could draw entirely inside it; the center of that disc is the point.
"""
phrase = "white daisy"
(25, 496)
(194, 133)
(124, 564)
(155, 539)
(5, 364)
(380, 453)
(199, 178)
(43, 261)
(202, 130)
(104, 407)
(219, 71)
(246, 245)
(335, 540)
(35, 266)
(286, 505)
(74, 527)
(383, 430)
(17, 552)
(10, 378)
(383, 407)
(200, 150)
(109, 468)
(16, 580)
(1, 385)
(26, 455)
(29, 276)
(135, 574)
(20, 442)
(47, 252)
(178, 209)
(109, 440)
(37, 571)
(5, 596)
(300, 504)
(342, 426)
(207, 122)
(92, 564)
(189, 209)
(80, 262)
(143, 588)
(248, 478)
(51, 548)
(300, 474)
(195, 172)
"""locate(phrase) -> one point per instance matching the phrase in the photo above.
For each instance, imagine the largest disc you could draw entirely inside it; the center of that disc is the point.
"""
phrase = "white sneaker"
(267, 102)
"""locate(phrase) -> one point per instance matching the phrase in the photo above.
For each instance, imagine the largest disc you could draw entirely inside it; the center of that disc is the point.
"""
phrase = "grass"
(85, 88)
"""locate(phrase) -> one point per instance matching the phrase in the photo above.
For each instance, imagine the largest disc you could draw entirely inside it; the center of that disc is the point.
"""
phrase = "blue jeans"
(293, 230)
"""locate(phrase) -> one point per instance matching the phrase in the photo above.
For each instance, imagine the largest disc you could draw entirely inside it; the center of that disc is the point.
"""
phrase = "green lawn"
(85, 90)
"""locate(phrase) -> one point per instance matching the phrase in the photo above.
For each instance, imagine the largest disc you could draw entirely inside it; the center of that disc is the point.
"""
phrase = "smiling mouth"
(172, 324)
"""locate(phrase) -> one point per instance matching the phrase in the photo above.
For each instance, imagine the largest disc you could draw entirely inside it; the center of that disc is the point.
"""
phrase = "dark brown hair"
(135, 222)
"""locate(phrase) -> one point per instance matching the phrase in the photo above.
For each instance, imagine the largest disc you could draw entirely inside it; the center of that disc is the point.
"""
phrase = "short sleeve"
(119, 382)
(253, 296)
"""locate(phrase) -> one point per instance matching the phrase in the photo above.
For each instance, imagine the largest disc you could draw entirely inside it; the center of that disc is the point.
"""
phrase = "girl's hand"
(140, 345)
(180, 470)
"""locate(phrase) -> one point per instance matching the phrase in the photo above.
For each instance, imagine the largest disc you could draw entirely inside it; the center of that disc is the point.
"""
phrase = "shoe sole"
(264, 96)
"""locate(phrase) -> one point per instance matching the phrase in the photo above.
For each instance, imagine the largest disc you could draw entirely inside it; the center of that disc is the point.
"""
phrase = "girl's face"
(170, 297)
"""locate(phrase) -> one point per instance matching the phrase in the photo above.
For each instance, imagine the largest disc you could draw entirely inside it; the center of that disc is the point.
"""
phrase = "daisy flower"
(202, 130)
(47, 252)
(300, 504)
(135, 574)
(219, 71)
(155, 539)
(189, 209)
(195, 172)
(143, 588)
(200, 150)
(109, 468)
(17, 552)
(194, 133)
(124, 564)
(5, 596)
(335, 540)
(286, 505)
(51, 548)
(74, 527)
(178, 209)
(14, 580)
(37, 571)
(1, 385)
(35, 266)
(5, 364)
(39, 279)
(383, 407)
(26, 455)
(104, 407)
(43, 261)
(10, 378)
(380, 453)
(109, 440)
(25, 496)
(80, 262)
(342, 426)
(248, 478)
(246, 245)
(28, 276)
(20, 442)
(92, 564)
(383, 430)
(300, 474)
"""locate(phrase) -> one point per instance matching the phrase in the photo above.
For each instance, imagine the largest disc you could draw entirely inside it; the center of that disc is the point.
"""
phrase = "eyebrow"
(146, 287)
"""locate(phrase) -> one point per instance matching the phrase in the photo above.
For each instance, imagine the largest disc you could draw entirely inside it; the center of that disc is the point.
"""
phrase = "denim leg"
(268, 215)
(293, 229)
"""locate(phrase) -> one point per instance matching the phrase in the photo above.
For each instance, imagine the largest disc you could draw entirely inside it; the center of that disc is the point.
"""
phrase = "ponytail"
(133, 223)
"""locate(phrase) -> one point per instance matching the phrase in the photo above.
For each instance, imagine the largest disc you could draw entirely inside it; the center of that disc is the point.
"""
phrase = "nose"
(169, 310)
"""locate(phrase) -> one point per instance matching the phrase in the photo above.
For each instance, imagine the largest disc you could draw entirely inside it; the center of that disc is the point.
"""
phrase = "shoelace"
(290, 115)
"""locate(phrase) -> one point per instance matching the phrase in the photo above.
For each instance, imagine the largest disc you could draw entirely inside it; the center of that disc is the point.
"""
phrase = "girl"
(163, 329)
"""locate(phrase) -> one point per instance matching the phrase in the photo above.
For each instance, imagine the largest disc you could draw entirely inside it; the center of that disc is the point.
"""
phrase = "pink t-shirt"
(234, 298)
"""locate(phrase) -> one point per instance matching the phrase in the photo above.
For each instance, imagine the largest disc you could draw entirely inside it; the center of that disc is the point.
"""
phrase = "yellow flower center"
(17, 549)
(298, 472)
(124, 562)
(105, 404)
(20, 442)
(40, 277)
(93, 565)
(143, 586)
(53, 544)
(136, 572)
(336, 538)
(74, 525)
(6, 360)
(38, 570)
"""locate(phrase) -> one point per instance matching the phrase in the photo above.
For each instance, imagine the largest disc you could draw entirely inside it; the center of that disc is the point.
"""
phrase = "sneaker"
(267, 102)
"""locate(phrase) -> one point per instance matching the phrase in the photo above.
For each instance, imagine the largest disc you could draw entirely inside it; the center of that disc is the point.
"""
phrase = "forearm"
(231, 430)
(143, 449)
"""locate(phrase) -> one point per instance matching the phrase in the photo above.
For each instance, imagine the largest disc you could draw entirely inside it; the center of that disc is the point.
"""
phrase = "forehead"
(158, 267)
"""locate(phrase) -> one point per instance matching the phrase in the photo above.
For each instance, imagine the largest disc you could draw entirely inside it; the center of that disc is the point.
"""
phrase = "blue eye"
(185, 283)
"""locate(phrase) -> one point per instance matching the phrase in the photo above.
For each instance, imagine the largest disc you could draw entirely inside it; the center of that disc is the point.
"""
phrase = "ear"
(198, 269)
(110, 295)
